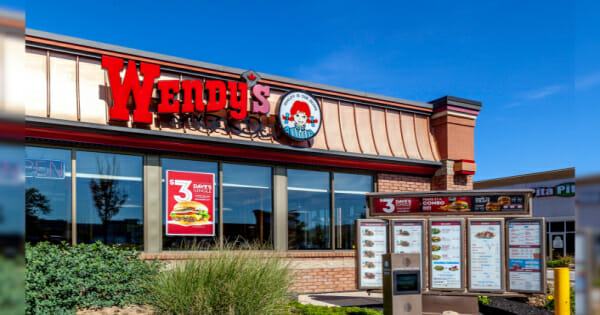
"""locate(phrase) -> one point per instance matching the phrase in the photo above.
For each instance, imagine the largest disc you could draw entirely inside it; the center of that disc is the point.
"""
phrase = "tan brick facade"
(398, 182)
(446, 179)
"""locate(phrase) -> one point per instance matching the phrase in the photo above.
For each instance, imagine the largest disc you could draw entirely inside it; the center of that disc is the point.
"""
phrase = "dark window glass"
(247, 205)
(557, 226)
(190, 242)
(548, 245)
(47, 194)
(570, 244)
(110, 205)
(350, 204)
(12, 203)
(570, 226)
(309, 210)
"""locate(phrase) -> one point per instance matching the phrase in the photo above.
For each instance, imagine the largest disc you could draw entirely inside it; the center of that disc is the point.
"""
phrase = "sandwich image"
(436, 239)
(504, 200)
(435, 248)
(485, 235)
(368, 243)
(436, 257)
(190, 213)
(492, 206)
(459, 205)
(369, 264)
(439, 268)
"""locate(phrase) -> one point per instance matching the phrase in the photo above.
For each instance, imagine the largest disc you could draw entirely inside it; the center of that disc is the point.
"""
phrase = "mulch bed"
(502, 306)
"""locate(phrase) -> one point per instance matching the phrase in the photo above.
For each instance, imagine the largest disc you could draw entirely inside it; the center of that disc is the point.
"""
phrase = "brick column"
(453, 125)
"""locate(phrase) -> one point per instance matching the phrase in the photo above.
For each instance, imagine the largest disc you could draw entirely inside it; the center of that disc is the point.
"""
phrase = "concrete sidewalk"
(357, 298)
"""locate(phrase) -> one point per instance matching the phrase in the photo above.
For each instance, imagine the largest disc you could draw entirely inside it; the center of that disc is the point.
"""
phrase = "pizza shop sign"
(299, 114)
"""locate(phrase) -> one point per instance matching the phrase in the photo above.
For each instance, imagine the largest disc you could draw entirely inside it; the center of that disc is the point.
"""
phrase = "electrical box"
(402, 284)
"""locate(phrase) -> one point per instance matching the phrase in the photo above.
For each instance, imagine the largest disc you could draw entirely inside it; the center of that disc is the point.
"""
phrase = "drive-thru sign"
(470, 242)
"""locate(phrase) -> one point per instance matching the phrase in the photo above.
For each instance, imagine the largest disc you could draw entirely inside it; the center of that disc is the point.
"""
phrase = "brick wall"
(446, 179)
(397, 182)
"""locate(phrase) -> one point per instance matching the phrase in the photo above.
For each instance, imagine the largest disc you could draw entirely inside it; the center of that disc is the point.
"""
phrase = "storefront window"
(47, 195)
(189, 242)
(309, 210)
(247, 205)
(350, 204)
(110, 205)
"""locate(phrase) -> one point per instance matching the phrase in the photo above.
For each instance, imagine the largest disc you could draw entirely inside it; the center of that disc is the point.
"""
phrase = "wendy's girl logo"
(299, 115)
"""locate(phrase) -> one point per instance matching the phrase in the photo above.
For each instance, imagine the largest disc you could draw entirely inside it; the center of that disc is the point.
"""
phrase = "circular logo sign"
(299, 115)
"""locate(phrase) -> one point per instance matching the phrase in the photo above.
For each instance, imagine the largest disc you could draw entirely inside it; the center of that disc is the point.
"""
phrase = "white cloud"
(543, 92)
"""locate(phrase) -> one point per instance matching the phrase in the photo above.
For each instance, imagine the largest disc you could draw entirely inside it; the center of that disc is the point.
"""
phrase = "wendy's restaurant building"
(158, 152)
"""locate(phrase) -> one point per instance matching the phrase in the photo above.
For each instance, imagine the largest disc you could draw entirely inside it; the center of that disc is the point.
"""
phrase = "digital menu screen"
(525, 256)
(447, 204)
(485, 255)
(445, 253)
(372, 245)
(498, 203)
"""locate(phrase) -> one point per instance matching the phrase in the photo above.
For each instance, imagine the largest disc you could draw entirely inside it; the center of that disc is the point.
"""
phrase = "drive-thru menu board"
(407, 237)
(485, 255)
(371, 246)
(525, 255)
(445, 246)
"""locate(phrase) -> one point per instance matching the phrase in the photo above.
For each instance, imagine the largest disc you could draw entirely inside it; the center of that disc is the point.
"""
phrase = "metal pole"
(562, 286)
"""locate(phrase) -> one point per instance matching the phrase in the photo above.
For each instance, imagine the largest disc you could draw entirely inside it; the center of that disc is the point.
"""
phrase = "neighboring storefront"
(554, 200)
(173, 156)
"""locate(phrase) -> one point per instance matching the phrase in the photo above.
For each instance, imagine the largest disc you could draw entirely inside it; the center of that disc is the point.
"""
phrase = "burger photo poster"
(190, 203)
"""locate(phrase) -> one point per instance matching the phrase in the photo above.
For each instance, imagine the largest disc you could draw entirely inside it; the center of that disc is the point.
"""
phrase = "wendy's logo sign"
(189, 97)
(299, 115)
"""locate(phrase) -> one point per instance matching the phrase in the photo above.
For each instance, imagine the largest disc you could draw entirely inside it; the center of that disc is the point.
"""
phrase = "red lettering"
(192, 89)
(216, 95)
(238, 105)
(121, 90)
(168, 102)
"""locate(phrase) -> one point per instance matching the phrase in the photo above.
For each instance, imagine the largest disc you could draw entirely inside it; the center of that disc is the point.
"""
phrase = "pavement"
(357, 298)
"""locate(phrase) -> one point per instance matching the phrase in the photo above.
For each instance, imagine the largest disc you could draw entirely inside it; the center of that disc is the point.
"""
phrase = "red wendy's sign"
(190, 203)
(221, 95)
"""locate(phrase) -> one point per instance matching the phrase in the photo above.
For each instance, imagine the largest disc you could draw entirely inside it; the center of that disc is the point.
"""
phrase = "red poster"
(391, 205)
(446, 204)
(190, 203)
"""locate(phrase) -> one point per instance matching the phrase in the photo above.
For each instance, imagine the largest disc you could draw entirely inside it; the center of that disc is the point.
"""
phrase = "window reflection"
(247, 204)
(350, 204)
(110, 198)
(309, 210)
(47, 195)
(171, 242)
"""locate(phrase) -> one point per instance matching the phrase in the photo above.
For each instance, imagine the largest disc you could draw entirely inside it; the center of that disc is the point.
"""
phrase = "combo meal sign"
(475, 241)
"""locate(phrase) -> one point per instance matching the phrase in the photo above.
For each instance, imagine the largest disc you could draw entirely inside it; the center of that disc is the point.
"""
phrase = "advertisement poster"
(447, 204)
(485, 255)
(446, 253)
(525, 256)
(190, 200)
(498, 203)
(394, 205)
(373, 244)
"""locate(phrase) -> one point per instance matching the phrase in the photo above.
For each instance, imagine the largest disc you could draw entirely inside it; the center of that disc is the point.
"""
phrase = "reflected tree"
(36, 203)
(108, 196)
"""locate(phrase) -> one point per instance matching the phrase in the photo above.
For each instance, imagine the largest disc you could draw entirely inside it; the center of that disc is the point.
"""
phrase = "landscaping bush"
(305, 309)
(224, 282)
(12, 283)
(560, 262)
(550, 303)
(63, 278)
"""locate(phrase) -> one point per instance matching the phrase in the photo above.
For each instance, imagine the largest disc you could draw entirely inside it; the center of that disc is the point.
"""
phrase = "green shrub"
(63, 278)
(306, 309)
(12, 283)
(224, 282)
(483, 300)
(560, 262)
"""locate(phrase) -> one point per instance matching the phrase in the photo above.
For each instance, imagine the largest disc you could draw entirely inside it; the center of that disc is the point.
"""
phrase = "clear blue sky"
(533, 64)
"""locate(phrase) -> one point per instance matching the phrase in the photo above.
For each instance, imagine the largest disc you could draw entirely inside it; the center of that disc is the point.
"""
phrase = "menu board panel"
(372, 245)
(407, 237)
(525, 255)
(494, 203)
(445, 246)
(485, 255)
